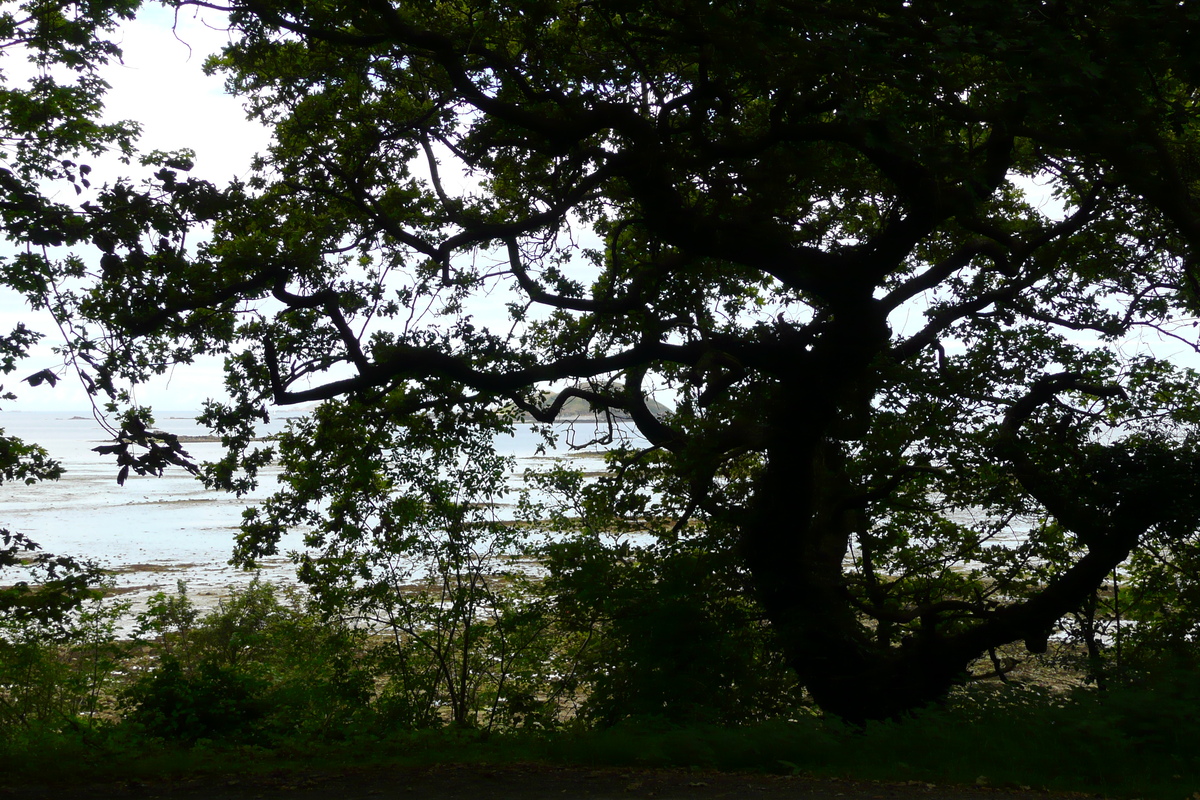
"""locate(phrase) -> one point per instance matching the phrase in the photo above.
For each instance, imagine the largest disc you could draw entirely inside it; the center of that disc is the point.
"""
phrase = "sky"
(161, 84)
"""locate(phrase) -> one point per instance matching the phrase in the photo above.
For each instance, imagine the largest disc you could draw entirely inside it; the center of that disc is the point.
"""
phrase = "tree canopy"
(891, 263)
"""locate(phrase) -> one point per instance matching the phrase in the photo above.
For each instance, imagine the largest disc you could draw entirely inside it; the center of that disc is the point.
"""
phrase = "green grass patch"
(1111, 745)
(1008, 739)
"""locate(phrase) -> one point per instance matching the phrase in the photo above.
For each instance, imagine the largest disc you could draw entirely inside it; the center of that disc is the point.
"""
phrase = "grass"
(1072, 750)
(1023, 739)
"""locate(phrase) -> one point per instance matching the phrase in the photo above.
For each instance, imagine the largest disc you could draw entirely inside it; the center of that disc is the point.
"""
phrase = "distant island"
(576, 409)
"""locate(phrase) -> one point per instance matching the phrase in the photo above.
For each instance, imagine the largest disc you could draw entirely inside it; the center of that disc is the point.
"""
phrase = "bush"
(658, 610)
(208, 702)
(668, 638)
(259, 667)
(57, 675)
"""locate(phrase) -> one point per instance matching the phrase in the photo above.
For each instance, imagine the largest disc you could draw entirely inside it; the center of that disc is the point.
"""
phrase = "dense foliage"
(893, 264)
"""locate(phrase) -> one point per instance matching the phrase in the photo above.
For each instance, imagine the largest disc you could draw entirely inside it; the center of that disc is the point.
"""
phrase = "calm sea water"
(152, 531)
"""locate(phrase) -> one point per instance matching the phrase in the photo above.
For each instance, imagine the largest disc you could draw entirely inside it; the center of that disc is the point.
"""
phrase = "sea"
(153, 532)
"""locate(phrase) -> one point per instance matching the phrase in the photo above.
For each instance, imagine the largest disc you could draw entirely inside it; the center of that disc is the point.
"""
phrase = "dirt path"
(514, 782)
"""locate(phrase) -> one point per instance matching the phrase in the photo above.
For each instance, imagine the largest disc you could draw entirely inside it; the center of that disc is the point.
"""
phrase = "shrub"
(56, 675)
(262, 666)
(210, 701)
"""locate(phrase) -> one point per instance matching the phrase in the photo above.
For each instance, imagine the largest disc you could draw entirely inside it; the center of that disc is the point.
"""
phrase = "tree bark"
(795, 543)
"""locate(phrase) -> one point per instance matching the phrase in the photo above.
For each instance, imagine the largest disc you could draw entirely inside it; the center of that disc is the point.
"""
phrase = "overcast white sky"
(161, 84)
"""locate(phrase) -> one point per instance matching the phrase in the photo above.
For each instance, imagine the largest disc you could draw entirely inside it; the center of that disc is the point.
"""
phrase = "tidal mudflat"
(153, 532)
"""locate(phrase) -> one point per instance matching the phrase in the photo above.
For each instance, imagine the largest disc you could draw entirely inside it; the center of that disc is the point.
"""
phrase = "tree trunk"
(806, 509)
(795, 543)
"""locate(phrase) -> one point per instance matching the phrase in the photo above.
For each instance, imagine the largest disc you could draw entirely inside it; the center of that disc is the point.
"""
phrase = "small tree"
(403, 538)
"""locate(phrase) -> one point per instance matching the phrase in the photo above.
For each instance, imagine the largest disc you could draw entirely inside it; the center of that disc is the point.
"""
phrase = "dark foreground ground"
(514, 782)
